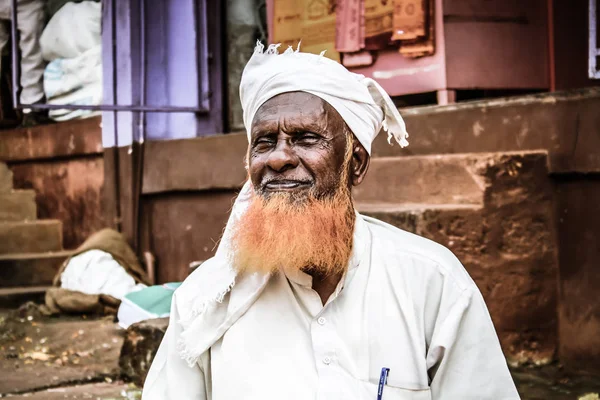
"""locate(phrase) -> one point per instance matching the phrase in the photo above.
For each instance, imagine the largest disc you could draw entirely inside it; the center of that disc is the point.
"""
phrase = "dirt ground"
(77, 358)
(552, 382)
(96, 391)
(39, 352)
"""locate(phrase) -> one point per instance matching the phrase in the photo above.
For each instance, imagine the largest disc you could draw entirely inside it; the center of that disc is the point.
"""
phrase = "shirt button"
(321, 321)
(326, 360)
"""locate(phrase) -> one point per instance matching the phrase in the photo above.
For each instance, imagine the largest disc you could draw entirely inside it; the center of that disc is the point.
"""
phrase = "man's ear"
(359, 163)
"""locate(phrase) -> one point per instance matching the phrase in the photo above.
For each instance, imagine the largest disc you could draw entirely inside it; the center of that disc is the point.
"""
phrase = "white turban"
(361, 102)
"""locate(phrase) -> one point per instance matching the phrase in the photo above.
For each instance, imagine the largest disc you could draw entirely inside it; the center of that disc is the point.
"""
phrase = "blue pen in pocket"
(382, 382)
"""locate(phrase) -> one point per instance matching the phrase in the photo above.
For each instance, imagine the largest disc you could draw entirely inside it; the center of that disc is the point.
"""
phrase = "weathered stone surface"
(184, 227)
(76, 137)
(508, 245)
(140, 347)
(14, 297)
(6, 178)
(69, 190)
(97, 391)
(42, 353)
(553, 382)
(578, 212)
(30, 269)
(203, 163)
(17, 205)
(30, 236)
(425, 179)
(563, 123)
(412, 217)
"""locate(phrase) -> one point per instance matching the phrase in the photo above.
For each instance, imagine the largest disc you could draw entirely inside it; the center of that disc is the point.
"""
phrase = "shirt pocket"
(369, 392)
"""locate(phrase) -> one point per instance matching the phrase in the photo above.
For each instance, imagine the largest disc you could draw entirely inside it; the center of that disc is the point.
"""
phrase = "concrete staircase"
(495, 212)
(30, 249)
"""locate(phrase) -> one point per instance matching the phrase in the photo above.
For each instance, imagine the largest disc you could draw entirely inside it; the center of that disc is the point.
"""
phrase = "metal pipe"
(550, 45)
(115, 107)
(139, 166)
(115, 149)
(202, 53)
(594, 52)
(142, 122)
(15, 73)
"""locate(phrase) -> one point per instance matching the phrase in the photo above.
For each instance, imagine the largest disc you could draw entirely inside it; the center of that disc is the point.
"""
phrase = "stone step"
(448, 179)
(11, 298)
(77, 350)
(18, 205)
(30, 236)
(6, 178)
(103, 390)
(30, 269)
(139, 348)
(413, 217)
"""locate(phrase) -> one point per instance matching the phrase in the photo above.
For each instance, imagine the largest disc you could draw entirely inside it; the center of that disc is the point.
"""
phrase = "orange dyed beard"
(311, 234)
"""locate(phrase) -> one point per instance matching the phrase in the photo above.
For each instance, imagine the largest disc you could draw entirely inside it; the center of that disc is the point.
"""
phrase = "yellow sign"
(309, 21)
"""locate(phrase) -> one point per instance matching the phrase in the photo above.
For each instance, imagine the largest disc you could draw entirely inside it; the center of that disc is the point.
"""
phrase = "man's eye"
(307, 138)
(264, 142)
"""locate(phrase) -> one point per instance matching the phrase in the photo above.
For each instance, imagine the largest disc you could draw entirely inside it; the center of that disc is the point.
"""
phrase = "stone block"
(412, 217)
(140, 347)
(6, 178)
(30, 236)
(18, 205)
(14, 297)
(420, 180)
(42, 142)
(68, 189)
(563, 123)
(30, 269)
(38, 353)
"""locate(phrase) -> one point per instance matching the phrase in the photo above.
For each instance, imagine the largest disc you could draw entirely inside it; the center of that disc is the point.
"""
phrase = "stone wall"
(63, 163)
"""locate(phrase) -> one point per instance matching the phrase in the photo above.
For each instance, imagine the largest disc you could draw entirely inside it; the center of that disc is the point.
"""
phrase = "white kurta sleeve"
(464, 358)
(170, 377)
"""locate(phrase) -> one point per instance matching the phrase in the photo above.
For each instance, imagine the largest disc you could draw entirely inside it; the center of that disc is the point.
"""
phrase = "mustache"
(267, 181)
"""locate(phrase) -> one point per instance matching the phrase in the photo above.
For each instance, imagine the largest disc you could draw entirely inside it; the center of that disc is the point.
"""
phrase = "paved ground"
(553, 383)
(95, 391)
(77, 358)
(38, 353)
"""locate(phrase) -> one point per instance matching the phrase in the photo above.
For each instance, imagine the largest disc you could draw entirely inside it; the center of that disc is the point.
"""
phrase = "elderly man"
(306, 298)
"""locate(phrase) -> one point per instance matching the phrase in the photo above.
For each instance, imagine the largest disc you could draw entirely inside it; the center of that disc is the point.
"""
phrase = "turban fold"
(362, 102)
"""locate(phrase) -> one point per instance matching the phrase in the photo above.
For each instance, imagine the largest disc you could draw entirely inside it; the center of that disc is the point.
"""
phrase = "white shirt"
(405, 303)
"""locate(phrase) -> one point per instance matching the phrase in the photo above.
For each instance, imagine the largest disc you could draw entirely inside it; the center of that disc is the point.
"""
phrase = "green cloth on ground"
(148, 303)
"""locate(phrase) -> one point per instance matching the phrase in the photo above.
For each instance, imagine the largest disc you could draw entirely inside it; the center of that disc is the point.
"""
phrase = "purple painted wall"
(180, 49)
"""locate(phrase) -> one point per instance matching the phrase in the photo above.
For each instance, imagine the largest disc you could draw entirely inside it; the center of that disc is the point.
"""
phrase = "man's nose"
(282, 158)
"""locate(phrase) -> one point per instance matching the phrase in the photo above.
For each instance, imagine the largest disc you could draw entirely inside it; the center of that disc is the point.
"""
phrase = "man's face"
(297, 145)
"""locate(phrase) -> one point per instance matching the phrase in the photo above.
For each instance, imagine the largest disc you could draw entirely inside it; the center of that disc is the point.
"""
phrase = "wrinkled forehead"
(295, 110)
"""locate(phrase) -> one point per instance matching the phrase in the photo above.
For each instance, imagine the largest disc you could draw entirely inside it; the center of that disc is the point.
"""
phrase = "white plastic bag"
(73, 30)
(75, 80)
